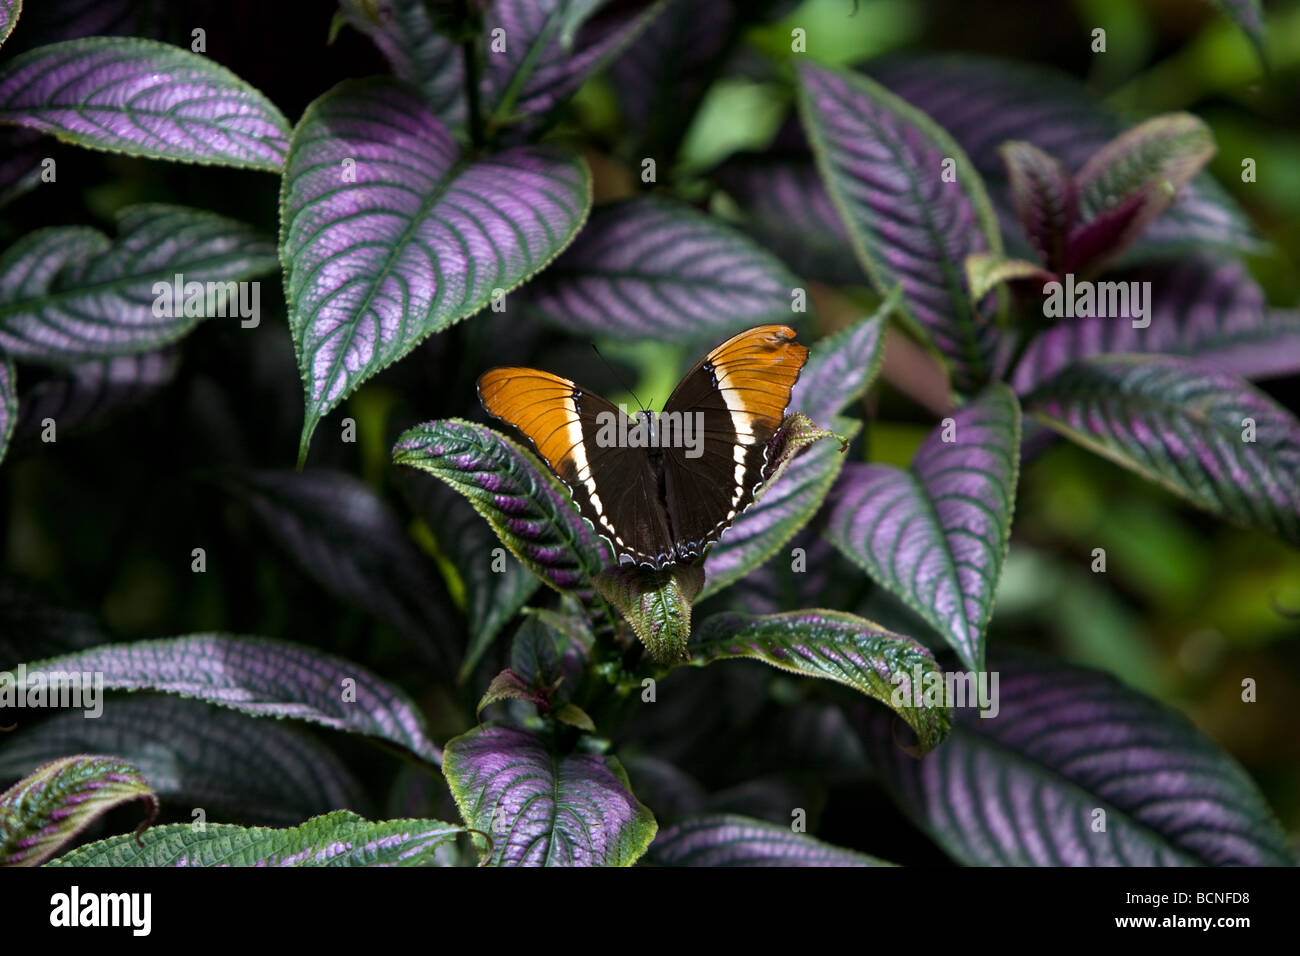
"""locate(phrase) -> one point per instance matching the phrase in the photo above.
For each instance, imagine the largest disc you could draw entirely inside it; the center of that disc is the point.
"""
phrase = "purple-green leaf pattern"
(1045, 198)
(69, 294)
(535, 72)
(1023, 788)
(9, 12)
(46, 810)
(529, 510)
(984, 101)
(87, 392)
(651, 267)
(936, 535)
(345, 537)
(388, 234)
(882, 161)
(199, 756)
(143, 98)
(789, 498)
(835, 646)
(841, 367)
(1208, 437)
(544, 809)
(8, 403)
(335, 839)
(1209, 310)
(656, 603)
(1132, 180)
(265, 678)
(729, 840)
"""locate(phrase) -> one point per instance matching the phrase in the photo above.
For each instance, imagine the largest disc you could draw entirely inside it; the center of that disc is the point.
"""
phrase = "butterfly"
(660, 488)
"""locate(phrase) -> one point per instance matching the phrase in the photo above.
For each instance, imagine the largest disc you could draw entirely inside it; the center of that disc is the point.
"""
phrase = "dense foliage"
(410, 649)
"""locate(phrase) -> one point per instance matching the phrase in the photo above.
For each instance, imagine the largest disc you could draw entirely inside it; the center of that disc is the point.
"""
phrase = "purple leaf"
(69, 294)
(834, 646)
(1132, 180)
(653, 268)
(334, 839)
(883, 163)
(21, 151)
(509, 685)
(388, 235)
(984, 101)
(1209, 310)
(199, 756)
(788, 210)
(143, 98)
(1024, 788)
(552, 648)
(842, 367)
(727, 840)
(87, 392)
(45, 811)
(9, 11)
(535, 72)
(543, 809)
(1203, 434)
(528, 509)
(780, 507)
(496, 586)
(261, 677)
(936, 535)
(8, 403)
(342, 535)
(1045, 198)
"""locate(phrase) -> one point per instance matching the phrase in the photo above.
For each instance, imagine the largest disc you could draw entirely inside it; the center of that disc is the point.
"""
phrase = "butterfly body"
(660, 488)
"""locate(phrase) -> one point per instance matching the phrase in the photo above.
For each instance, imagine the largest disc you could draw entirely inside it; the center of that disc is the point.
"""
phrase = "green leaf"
(836, 646)
(729, 840)
(1207, 436)
(43, 812)
(261, 677)
(1248, 15)
(543, 808)
(530, 511)
(984, 272)
(656, 603)
(340, 838)
(70, 294)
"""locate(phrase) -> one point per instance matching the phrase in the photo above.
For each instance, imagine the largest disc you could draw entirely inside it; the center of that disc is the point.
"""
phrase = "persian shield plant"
(994, 272)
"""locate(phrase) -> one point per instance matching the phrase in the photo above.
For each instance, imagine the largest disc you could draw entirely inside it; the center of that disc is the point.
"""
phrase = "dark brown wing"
(613, 487)
(740, 392)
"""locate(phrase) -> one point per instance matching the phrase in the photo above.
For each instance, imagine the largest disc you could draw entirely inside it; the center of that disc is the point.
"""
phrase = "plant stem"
(469, 56)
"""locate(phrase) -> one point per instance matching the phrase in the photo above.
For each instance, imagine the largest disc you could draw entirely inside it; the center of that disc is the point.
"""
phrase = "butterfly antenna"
(619, 378)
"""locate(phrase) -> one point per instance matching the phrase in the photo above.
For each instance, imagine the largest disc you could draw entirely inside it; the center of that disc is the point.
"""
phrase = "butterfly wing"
(613, 486)
(739, 392)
